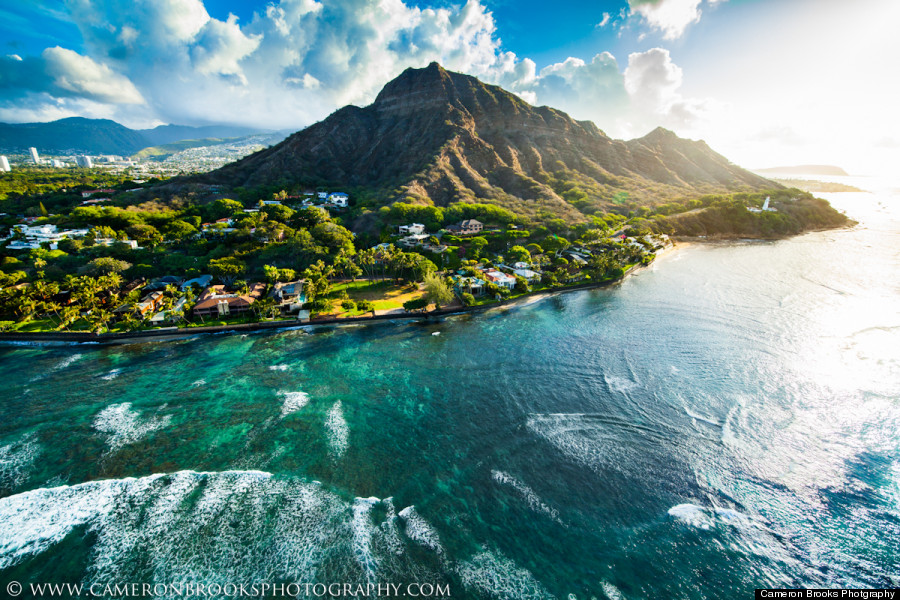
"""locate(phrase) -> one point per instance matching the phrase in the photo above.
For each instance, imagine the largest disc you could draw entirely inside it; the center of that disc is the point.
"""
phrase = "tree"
(519, 254)
(437, 290)
(476, 245)
(416, 304)
(348, 305)
(227, 269)
(468, 299)
(105, 265)
(365, 306)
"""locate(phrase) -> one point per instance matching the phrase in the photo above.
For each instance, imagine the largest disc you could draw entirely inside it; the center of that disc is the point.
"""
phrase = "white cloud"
(604, 21)
(298, 60)
(671, 17)
(73, 74)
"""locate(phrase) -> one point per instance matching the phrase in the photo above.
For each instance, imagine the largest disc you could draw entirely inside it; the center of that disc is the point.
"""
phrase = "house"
(469, 285)
(42, 234)
(216, 302)
(411, 241)
(202, 281)
(90, 193)
(501, 279)
(338, 199)
(110, 241)
(412, 229)
(322, 195)
(168, 315)
(289, 296)
(528, 274)
(467, 227)
(271, 203)
(149, 303)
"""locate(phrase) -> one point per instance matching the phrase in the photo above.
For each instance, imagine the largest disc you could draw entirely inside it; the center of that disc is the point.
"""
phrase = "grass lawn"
(384, 295)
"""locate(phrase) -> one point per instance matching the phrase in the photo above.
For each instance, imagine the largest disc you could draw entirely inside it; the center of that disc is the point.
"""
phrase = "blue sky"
(763, 81)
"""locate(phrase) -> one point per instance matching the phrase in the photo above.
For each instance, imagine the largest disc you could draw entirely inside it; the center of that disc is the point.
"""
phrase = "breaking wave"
(338, 432)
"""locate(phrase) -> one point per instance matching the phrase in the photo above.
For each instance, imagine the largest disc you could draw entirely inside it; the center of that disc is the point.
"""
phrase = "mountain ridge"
(433, 136)
(104, 136)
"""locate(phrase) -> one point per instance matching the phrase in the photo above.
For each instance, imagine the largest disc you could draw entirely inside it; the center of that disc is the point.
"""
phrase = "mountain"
(75, 134)
(830, 170)
(167, 134)
(102, 136)
(434, 136)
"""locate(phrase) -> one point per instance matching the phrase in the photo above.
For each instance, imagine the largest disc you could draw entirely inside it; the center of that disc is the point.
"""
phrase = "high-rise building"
(34, 155)
(84, 162)
(57, 164)
(4, 164)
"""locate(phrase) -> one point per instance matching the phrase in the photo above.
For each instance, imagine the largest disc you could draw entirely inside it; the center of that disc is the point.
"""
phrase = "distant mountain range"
(829, 170)
(434, 136)
(102, 136)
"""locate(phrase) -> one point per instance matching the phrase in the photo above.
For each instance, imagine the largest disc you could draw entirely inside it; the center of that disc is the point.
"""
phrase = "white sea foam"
(705, 518)
(16, 460)
(620, 384)
(123, 426)
(694, 415)
(496, 576)
(362, 536)
(293, 401)
(185, 526)
(693, 515)
(111, 375)
(338, 432)
(611, 591)
(198, 383)
(67, 361)
(420, 531)
(279, 367)
(527, 494)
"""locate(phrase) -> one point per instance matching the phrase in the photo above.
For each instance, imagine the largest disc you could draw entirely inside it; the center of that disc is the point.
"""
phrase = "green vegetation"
(96, 281)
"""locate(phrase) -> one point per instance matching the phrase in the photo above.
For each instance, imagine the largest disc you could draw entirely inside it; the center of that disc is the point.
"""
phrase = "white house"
(271, 202)
(412, 229)
(39, 234)
(528, 274)
(412, 241)
(323, 195)
(500, 278)
(338, 199)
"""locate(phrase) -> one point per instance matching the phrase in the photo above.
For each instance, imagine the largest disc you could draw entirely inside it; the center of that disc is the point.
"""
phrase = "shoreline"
(180, 333)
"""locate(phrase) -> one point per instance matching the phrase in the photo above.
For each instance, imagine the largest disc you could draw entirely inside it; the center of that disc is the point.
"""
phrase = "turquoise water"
(723, 420)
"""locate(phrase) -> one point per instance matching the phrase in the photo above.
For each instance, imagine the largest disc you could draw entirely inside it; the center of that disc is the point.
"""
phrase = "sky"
(764, 82)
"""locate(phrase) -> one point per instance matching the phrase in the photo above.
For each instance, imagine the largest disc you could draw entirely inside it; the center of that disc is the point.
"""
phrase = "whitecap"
(691, 514)
(611, 591)
(279, 367)
(16, 460)
(497, 576)
(198, 383)
(420, 531)
(111, 375)
(293, 401)
(533, 500)
(67, 361)
(338, 432)
(124, 426)
(620, 384)
(186, 526)
(704, 518)
(362, 535)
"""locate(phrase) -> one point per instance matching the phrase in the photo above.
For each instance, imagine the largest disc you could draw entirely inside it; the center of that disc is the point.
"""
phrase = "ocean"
(723, 420)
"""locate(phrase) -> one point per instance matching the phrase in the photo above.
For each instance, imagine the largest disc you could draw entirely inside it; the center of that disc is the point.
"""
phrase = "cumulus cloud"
(295, 61)
(671, 17)
(62, 73)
